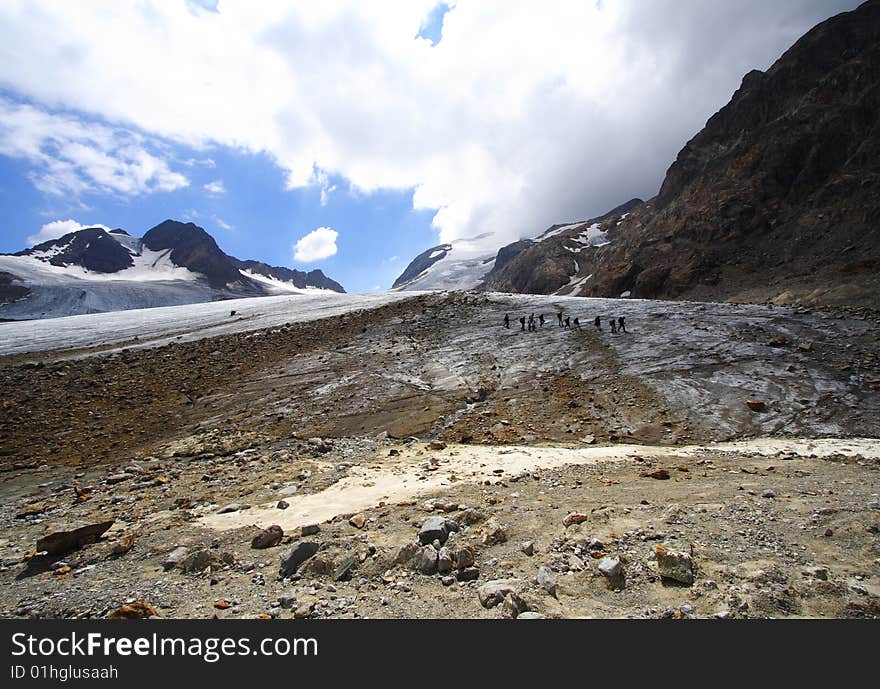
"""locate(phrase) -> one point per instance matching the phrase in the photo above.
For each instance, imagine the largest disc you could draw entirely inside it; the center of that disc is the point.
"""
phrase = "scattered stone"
(444, 561)
(287, 601)
(575, 518)
(358, 521)
(778, 341)
(436, 528)
(136, 610)
(174, 558)
(123, 545)
(268, 538)
(610, 567)
(282, 505)
(589, 440)
(447, 581)
(428, 560)
(464, 556)
(309, 530)
(675, 565)
(546, 580)
(494, 533)
(471, 516)
(198, 561)
(32, 510)
(529, 615)
(514, 605)
(528, 548)
(756, 405)
(768, 494)
(829, 533)
(295, 555)
(436, 445)
(493, 592)
(659, 473)
(60, 542)
(468, 574)
(232, 507)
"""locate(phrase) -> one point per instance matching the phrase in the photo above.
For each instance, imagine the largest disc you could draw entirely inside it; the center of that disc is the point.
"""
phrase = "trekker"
(522, 322)
(541, 320)
(577, 323)
(531, 322)
(613, 325)
(507, 321)
(621, 325)
(559, 318)
(598, 323)
(568, 321)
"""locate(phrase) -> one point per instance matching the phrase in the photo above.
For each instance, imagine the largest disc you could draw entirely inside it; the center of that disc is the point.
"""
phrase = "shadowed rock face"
(299, 278)
(193, 248)
(421, 263)
(779, 195)
(91, 248)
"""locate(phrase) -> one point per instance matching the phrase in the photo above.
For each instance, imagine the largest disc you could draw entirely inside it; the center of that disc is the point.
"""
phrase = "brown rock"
(659, 473)
(756, 405)
(358, 521)
(268, 538)
(575, 518)
(60, 542)
(136, 610)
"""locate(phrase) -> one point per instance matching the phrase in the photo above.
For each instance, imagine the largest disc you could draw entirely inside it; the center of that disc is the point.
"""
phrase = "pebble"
(546, 580)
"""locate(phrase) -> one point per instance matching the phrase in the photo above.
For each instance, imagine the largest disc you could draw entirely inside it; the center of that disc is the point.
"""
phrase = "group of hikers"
(618, 325)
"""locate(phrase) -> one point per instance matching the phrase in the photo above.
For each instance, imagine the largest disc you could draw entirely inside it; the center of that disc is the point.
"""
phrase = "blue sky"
(376, 129)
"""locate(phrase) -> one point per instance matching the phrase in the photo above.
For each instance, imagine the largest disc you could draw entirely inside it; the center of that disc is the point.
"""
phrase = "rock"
(343, 569)
(514, 605)
(174, 558)
(117, 478)
(575, 518)
(358, 521)
(268, 538)
(436, 528)
(436, 445)
(309, 530)
(123, 545)
(136, 610)
(610, 567)
(493, 592)
(464, 556)
(282, 505)
(674, 565)
(829, 533)
(287, 491)
(227, 509)
(287, 601)
(198, 561)
(295, 555)
(659, 473)
(856, 586)
(428, 560)
(468, 574)
(778, 341)
(805, 346)
(60, 542)
(32, 510)
(494, 533)
(444, 561)
(589, 440)
(756, 405)
(528, 548)
(447, 581)
(546, 580)
(768, 494)
(530, 616)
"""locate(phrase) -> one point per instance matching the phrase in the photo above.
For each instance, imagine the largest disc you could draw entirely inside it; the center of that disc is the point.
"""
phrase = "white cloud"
(216, 187)
(70, 156)
(58, 228)
(317, 244)
(516, 119)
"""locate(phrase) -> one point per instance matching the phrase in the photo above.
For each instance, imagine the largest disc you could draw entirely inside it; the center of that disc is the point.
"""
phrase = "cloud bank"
(518, 117)
(58, 228)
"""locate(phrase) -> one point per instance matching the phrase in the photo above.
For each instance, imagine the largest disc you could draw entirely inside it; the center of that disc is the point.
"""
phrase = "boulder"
(295, 555)
(493, 592)
(60, 542)
(268, 538)
(675, 565)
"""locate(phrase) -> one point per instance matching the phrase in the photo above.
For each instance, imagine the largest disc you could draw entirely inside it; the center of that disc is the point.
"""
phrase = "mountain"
(459, 265)
(95, 270)
(776, 199)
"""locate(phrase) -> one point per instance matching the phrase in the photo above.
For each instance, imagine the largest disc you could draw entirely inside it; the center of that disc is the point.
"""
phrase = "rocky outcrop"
(778, 197)
(421, 263)
(193, 248)
(299, 278)
(92, 248)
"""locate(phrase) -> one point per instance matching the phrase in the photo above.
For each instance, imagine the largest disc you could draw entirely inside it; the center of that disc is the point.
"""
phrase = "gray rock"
(268, 538)
(287, 491)
(444, 561)
(493, 592)
(514, 605)
(309, 530)
(464, 556)
(428, 560)
(343, 569)
(468, 574)
(287, 601)
(768, 494)
(61, 542)
(447, 581)
(546, 580)
(610, 567)
(232, 507)
(528, 548)
(198, 561)
(530, 616)
(436, 528)
(282, 505)
(407, 554)
(174, 558)
(295, 555)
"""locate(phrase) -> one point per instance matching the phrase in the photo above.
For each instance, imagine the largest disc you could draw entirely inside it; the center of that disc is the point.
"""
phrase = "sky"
(351, 136)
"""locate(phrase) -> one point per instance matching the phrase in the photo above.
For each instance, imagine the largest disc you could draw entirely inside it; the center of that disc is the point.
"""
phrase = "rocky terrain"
(418, 459)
